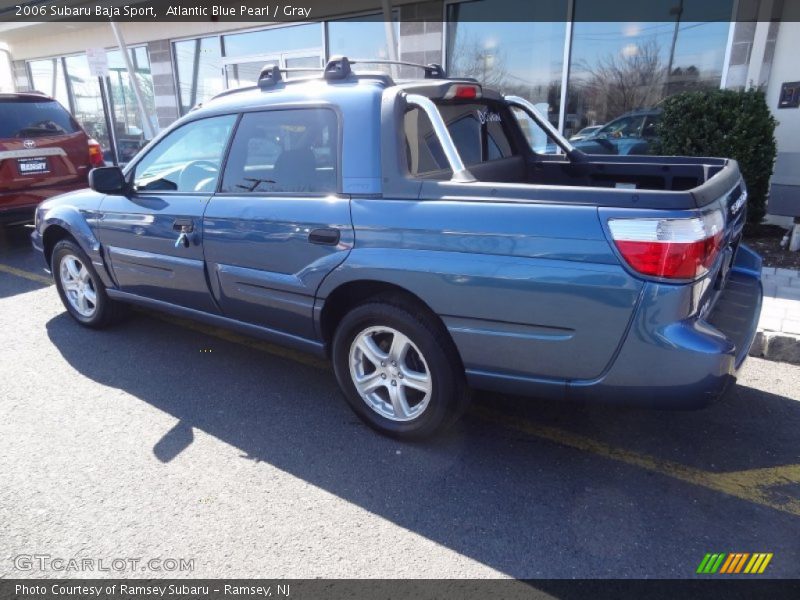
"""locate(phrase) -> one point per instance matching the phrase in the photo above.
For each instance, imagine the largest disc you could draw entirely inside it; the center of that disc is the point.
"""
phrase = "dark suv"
(43, 152)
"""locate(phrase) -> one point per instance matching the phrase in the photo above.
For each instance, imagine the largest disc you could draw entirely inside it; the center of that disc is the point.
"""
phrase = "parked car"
(584, 133)
(43, 152)
(409, 232)
(632, 133)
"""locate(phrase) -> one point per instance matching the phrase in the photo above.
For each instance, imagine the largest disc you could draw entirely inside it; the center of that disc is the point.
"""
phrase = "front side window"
(188, 159)
(280, 151)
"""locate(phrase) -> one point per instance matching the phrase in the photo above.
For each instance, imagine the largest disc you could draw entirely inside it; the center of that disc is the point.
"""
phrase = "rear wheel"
(398, 369)
(79, 286)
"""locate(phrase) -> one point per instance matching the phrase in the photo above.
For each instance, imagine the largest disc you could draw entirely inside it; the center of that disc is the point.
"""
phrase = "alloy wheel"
(79, 288)
(390, 373)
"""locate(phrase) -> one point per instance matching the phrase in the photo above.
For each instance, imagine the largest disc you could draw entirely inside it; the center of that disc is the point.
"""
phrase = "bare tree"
(621, 82)
(471, 58)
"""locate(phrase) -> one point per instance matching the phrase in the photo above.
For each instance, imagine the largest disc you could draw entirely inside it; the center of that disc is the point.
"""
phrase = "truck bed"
(661, 182)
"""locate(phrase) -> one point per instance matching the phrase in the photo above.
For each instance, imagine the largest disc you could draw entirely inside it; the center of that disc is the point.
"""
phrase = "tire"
(419, 394)
(81, 290)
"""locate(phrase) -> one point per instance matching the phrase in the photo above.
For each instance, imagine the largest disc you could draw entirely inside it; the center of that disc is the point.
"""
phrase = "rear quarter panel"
(524, 289)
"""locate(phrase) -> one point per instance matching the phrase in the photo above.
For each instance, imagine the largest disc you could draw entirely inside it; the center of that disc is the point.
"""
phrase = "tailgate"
(733, 294)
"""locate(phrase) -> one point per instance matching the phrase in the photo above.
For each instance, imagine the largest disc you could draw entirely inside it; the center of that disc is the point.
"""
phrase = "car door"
(153, 235)
(278, 226)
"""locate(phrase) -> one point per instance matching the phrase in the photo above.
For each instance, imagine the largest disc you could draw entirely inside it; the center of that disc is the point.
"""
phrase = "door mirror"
(107, 180)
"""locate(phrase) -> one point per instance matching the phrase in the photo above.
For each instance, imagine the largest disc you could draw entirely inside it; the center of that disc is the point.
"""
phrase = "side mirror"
(107, 180)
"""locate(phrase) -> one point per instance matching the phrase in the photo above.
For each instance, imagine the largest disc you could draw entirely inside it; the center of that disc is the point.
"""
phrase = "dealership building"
(582, 72)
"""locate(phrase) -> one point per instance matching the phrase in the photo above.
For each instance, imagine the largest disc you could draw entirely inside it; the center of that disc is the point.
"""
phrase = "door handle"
(183, 225)
(183, 240)
(326, 236)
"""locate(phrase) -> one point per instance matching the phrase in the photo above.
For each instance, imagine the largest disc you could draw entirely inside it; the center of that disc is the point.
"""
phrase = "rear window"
(25, 119)
(477, 130)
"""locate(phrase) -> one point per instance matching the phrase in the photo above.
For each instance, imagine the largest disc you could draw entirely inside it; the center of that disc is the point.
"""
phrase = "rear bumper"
(18, 206)
(687, 363)
(666, 361)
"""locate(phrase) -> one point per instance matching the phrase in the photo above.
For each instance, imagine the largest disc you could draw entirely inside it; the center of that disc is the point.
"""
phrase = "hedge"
(724, 123)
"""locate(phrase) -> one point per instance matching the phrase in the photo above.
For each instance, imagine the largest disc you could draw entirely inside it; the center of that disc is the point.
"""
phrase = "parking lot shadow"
(16, 255)
(523, 505)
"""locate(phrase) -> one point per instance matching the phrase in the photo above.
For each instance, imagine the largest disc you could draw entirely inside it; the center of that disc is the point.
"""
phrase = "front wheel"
(79, 286)
(398, 369)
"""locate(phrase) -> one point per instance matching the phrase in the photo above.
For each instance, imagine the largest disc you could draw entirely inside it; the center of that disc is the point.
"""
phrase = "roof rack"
(272, 74)
(339, 67)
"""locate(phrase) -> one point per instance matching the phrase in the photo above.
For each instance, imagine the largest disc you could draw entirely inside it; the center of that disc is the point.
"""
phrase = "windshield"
(25, 119)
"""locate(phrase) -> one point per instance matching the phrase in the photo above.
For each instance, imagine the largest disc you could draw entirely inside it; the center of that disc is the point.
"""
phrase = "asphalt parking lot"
(161, 438)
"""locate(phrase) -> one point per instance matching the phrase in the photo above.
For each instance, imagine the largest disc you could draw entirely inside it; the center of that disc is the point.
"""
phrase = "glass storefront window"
(128, 126)
(48, 78)
(79, 91)
(292, 47)
(87, 102)
(199, 70)
(275, 40)
(620, 73)
(520, 58)
(360, 37)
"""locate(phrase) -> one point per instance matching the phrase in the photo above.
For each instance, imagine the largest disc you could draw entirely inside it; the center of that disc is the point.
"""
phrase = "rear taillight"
(670, 248)
(96, 154)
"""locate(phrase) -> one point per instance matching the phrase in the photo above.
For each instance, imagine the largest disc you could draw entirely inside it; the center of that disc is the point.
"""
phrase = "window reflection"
(48, 78)
(127, 122)
(199, 70)
(620, 73)
(79, 92)
(292, 47)
(360, 37)
(88, 104)
(274, 40)
(520, 58)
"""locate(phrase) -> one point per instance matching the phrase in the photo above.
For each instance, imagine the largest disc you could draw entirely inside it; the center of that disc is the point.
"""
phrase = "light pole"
(678, 12)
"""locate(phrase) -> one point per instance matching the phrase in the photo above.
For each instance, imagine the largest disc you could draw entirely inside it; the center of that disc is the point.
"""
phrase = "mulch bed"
(766, 240)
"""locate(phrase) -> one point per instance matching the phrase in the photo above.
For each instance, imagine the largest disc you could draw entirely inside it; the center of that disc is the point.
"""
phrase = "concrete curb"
(780, 347)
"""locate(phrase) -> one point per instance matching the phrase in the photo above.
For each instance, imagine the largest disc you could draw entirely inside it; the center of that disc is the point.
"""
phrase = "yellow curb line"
(26, 275)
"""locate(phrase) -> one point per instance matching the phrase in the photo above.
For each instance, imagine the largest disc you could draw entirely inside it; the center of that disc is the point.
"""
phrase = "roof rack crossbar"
(432, 70)
(337, 68)
(340, 67)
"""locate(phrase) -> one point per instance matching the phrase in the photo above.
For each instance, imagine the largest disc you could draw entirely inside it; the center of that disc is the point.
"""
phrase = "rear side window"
(477, 130)
(26, 119)
(283, 151)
